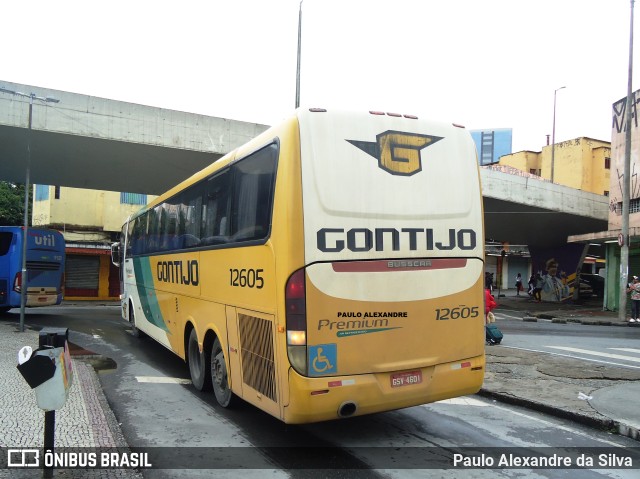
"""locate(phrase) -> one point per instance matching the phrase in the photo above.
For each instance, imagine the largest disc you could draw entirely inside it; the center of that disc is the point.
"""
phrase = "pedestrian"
(537, 288)
(488, 281)
(634, 289)
(518, 284)
(489, 305)
(532, 284)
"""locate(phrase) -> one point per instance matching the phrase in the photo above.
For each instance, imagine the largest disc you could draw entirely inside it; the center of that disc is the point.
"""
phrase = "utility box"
(49, 369)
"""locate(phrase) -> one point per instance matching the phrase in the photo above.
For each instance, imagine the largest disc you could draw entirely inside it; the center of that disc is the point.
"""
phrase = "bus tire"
(4, 310)
(135, 332)
(219, 376)
(198, 363)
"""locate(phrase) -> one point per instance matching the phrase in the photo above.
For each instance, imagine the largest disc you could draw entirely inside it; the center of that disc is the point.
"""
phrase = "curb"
(533, 318)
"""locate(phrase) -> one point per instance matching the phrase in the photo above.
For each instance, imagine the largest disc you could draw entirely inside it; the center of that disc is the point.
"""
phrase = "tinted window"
(215, 210)
(233, 206)
(5, 242)
(252, 200)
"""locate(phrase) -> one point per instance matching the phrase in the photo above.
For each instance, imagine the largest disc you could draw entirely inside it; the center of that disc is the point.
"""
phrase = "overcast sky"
(483, 64)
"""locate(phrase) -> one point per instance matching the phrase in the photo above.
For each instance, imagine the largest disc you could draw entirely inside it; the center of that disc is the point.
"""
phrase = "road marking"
(581, 358)
(568, 429)
(627, 350)
(493, 404)
(162, 380)
(463, 401)
(596, 353)
(502, 315)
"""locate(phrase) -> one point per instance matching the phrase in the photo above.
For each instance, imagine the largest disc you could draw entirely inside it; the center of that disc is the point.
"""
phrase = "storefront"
(89, 273)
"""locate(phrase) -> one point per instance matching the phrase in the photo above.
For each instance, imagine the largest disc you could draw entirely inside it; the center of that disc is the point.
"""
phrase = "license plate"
(406, 378)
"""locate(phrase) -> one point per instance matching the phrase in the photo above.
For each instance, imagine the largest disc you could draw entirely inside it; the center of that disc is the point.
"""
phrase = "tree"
(11, 204)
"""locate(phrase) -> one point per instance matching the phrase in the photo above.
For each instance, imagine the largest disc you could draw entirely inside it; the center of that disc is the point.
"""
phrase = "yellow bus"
(331, 267)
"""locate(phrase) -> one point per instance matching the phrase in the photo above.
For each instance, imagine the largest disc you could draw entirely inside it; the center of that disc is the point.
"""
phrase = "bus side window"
(252, 202)
(215, 210)
(192, 215)
(5, 242)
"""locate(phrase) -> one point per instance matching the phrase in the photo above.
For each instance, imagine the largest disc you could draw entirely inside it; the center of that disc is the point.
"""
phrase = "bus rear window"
(5, 242)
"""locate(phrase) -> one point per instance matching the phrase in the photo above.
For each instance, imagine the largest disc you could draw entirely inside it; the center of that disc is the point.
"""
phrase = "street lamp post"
(23, 277)
(299, 52)
(626, 187)
(553, 133)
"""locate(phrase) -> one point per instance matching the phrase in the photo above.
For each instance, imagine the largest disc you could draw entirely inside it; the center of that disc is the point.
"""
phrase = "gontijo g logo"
(397, 152)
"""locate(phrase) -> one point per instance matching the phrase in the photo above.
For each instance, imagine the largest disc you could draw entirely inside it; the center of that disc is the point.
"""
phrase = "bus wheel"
(135, 332)
(4, 310)
(198, 364)
(219, 378)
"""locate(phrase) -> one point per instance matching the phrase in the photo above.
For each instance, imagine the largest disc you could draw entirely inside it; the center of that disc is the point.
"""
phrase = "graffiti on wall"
(557, 271)
(618, 147)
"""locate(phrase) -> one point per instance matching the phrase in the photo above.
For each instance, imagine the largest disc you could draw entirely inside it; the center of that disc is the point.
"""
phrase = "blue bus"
(45, 267)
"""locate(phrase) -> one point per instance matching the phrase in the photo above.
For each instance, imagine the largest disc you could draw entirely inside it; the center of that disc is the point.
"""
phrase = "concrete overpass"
(96, 143)
(526, 210)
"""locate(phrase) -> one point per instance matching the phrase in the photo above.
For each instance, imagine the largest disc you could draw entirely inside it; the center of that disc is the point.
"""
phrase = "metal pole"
(25, 231)
(553, 133)
(299, 49)
(624, 247)
(23, 274)
(49, 438)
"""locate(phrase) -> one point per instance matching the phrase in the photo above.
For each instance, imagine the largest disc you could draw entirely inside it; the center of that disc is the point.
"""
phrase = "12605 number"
(246, 278)
(457, 313)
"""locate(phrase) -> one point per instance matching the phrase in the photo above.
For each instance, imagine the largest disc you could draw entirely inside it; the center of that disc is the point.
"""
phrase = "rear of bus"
(45, 267)
(388, 311)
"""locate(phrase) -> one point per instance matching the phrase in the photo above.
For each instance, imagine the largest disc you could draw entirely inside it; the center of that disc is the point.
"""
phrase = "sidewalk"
(85, 420)
(551, 384)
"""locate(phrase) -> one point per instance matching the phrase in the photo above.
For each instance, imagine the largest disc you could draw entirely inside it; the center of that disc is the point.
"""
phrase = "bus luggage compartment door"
(252, 357)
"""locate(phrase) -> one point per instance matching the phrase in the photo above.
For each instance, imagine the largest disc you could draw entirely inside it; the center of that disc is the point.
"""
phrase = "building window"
(42, 192)
(133, 199)
(56, 192)
(486, 148)
(607, 163)
(606, 193)
(634, 206)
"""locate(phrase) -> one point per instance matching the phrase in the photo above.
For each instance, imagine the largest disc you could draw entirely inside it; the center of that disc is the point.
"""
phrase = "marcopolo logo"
(397, 152)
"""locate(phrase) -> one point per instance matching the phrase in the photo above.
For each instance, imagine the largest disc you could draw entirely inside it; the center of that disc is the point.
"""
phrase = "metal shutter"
(82, 272)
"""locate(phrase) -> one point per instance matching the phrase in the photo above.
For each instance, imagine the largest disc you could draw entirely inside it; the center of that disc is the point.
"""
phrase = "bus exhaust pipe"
(347, 409)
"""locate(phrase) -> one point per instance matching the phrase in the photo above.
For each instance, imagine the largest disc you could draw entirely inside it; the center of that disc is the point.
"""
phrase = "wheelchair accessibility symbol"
(323, 359)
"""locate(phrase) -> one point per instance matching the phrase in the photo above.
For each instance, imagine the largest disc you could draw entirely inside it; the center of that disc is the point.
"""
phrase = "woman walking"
(634, 289)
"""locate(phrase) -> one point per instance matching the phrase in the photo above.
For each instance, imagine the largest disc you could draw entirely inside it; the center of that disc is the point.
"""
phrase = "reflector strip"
(346, 382)
(381, 266)
(466, 364)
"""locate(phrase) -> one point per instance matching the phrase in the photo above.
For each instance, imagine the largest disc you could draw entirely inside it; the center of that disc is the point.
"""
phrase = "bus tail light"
(295, 303)
(17, 282)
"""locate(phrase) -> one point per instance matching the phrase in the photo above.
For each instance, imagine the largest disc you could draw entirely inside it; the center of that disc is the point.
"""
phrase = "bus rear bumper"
(327, 398)
(42, 297)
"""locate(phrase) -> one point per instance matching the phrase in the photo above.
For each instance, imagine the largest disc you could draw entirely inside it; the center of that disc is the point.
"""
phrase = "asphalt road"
(143, 385)
(603, 344)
